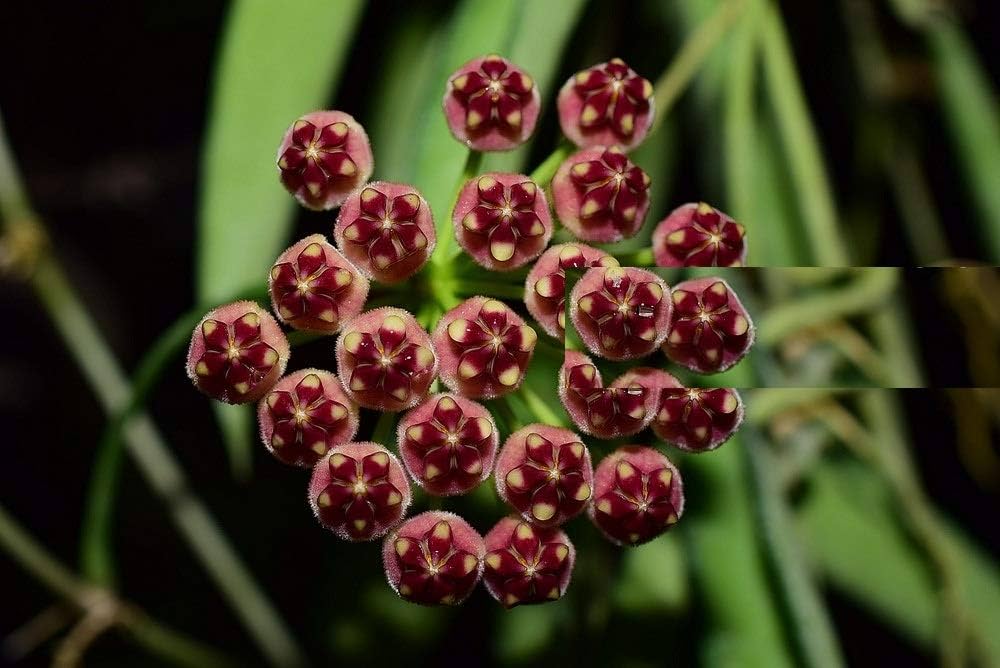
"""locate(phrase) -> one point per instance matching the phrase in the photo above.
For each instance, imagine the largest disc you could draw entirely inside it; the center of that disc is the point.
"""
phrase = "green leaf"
(729, 570)
(654, 579)
(973, 119)
(276, 63)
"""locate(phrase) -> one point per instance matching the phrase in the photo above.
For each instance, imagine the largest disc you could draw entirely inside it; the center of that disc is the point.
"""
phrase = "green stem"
(540, 408)
(442, 268)
(157, 638)
(809, 622)
(801, 144)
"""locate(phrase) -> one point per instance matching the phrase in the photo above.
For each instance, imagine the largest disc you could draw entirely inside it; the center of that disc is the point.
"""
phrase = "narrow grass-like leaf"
(973, 119)
(802, 147)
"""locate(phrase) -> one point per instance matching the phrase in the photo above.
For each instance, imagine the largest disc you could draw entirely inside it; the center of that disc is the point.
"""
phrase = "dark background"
(105, 105)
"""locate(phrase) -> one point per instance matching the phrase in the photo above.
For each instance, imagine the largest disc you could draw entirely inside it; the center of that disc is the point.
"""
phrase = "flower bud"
(638, 495)
(386, 360)
(696, 419)
(448, 444)
(710, 330)
(545, 474)
(606, 105)
(237, 353)
(484, 347)
(545, 287)
(699, 235)
(620, 313)
(502, 220)
(600, 196)
(314, 288)
(323, 157)
(359, 491)
(434, 558)
(305, 415)
(624, 408)
(491, 104)
(386, 229)
(526, 564)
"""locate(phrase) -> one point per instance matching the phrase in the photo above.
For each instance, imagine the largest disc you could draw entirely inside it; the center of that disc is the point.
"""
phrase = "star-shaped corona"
(526, 564)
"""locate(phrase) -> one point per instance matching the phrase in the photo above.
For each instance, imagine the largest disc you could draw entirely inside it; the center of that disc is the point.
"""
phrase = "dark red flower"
(620, 312)
(359, 491)
(545, 474)
(526, 564)
(313, 287)
(699, 235)
(434, 558)
(607, 104)
(386, 360)
(698, 419)
(637, 495)
(305, 415)
(710, 330)
(545, 287)
(600, 195)
(491, 104)
(386, 229)
(485, 348)
(237, 353)
(324, 156)
(448, 444)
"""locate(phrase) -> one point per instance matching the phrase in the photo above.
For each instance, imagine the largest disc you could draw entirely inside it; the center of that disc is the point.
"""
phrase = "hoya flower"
(386, 229)
(434, 558)
(323, 157)
(305, 415)
(359, 491)
(699, 235)
(502, 220)
(710, 330)
(606, 105)
(237, 353)
(448, 444)
(600, 195)
(491, 104)
(526, 564)
(545, 287)
(484, 348)
(544, 473)
(638, 495)
(386, 360)
(620, 313)
(313, 287)
(698, 419)
(624, 408)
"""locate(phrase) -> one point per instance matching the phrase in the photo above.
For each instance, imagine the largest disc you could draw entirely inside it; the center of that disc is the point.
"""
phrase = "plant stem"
(810, 624)
(147, 632)
(147, 447)
(801, 143)
(640, 258)
(442, 264)
(542, 175)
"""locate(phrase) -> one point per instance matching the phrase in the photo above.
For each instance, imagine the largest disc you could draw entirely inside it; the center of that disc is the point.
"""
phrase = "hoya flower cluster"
(437, 375)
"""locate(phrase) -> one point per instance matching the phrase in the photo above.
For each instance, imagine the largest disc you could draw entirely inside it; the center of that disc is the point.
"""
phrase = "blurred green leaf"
(524, 632)
(276, 63)
(728, 568)
(653, 577)
(973, 119)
